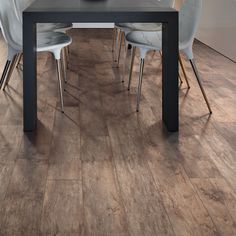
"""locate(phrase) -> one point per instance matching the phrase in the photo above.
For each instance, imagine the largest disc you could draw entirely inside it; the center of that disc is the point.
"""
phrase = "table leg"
(29, 74)
(170, 90)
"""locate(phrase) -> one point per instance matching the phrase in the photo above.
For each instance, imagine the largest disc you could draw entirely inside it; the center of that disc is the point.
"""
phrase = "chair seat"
(149, 40)
(47, 41)
(139, 26)
(44, 27)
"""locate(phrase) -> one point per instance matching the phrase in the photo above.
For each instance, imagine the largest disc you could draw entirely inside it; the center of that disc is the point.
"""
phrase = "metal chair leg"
(64, 64)
(180, 79)
(184, 72)
(140, 83)
(131, 66)
(153, 54)
(59, 77)
(4, 73)
(125, 62)
(67, 56)
(195, 70)
(19, 60)
(121, 41)
(116, 43)
(114, 38)
(19, 56)
(10, 71)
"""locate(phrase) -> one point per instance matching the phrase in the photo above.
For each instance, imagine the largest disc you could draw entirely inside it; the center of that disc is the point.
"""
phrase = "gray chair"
(52, 42)
(21, 5)
(189, 17)
(121, 29)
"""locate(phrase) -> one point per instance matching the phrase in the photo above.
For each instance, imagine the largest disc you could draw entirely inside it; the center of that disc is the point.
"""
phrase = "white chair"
(52, 42)
(189, 17)
(121, 29)
(21, 5)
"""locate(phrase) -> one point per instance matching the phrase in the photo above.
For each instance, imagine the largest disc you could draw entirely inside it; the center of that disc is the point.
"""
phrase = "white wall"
(218, 26)
(178, 4)
(93, 25)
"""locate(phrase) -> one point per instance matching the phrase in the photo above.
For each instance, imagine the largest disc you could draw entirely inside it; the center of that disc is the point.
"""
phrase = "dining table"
(102, 11)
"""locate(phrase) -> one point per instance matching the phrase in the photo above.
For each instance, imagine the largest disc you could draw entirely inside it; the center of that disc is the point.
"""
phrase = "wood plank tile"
(5, 176)
(214, 200)
(62, 208)
(65, 170)
(186, 211)
(228, 131)
(229, 196)
(106, 214)
(10, 139)
(144, 208)
(103, 208)
(118, 172)
(36, 145)
(165, 162)
(195, 159)
(20, 214)
(28, 177)
(221, 154)
(65, 146)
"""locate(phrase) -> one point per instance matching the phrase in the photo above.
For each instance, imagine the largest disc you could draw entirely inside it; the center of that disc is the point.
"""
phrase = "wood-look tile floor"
(101, 168)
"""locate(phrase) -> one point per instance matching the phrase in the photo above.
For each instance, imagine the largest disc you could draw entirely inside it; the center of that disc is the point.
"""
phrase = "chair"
(52, 42)
(21, 5)
(189, 17)
(121, 29)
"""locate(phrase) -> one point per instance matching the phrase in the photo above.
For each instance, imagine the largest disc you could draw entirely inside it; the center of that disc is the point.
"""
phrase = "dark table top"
(97, 5)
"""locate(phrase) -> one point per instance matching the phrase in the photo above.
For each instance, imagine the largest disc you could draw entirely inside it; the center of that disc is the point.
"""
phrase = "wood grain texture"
(145, 211)
(216, 203)
(106, 216)
(20, 214)
(10, 139)
(103, 169)
(186, 211)
(5, 176)
(28, 177)
(62, 208)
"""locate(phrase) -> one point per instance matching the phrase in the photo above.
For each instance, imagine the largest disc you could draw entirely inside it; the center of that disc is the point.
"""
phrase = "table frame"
(169, 20)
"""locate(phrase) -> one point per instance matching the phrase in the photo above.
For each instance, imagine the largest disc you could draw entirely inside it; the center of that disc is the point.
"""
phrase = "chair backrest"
(11, 26)
(2, 30)
(189, 17)
(21, 5)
